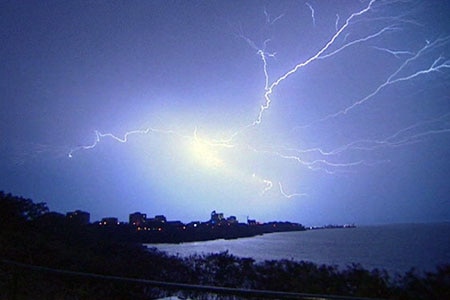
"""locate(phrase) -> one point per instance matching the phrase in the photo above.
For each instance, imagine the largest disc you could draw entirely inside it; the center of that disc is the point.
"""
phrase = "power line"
(184, 286)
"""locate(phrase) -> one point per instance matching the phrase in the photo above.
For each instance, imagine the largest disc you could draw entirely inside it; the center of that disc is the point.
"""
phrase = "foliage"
(17, 210)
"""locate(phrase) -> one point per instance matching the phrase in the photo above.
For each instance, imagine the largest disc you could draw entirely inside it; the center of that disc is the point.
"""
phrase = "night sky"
(315, 112)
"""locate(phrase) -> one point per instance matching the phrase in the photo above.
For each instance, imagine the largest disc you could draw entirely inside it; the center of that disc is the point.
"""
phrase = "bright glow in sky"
(315, 111)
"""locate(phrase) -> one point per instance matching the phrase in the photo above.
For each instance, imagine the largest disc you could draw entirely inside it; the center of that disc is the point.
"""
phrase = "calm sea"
(396, 248)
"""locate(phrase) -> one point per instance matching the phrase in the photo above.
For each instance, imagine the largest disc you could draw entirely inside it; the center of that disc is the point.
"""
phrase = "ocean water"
(396, 248)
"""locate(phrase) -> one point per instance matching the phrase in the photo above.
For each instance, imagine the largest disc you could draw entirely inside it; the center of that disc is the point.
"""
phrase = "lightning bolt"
(312, 13)
(269, 90)
(406, 136)
(336, 23)
(396, 53)
(289, 196)
(100, 136)
(268, 187)
(320, 159)
(439, 64)
(269, 19)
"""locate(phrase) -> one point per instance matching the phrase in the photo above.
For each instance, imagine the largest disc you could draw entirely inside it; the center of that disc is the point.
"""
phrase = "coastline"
(396, 248)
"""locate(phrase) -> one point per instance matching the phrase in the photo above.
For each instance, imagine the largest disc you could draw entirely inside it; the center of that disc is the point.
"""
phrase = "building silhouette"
(160, 218)
(216, 218)
(137, 219)
(110, 221)
(78, 217)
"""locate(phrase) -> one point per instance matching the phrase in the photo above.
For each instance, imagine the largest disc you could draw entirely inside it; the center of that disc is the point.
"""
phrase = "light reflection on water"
(396, 248)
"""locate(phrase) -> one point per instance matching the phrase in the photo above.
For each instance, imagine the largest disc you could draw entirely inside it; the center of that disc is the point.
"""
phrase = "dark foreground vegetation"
(32, 235)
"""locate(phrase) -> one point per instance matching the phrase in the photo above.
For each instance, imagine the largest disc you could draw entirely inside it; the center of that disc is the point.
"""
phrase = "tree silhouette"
(15, 211)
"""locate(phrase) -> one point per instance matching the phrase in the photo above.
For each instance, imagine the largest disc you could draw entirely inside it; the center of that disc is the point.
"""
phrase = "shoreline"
(371, 246)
